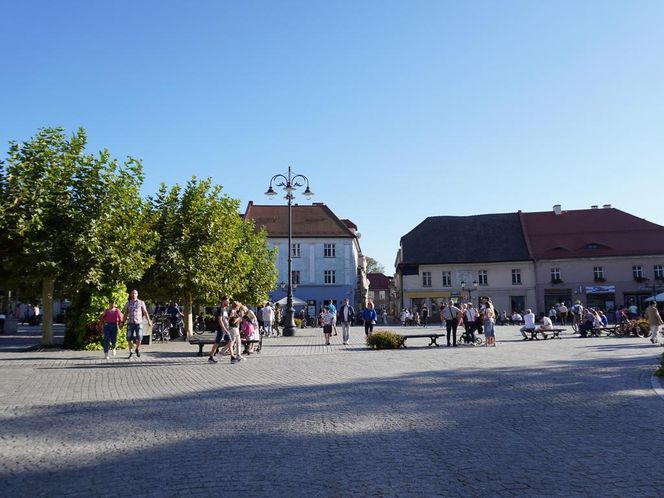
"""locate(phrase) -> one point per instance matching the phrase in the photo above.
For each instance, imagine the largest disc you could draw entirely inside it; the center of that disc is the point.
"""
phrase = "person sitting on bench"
(528, 323)
(547, 324)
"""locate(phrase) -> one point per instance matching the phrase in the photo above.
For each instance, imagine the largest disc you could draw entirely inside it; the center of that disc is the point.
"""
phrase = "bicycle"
(199, 324)
(160, 328)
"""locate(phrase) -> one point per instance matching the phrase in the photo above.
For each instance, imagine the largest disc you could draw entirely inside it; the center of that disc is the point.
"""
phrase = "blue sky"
(394, 110)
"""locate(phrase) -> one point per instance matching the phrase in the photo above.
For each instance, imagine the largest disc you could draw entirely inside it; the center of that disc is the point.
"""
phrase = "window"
(426, 279)
(637, 272)
(381, 295)
(555, 275)
(447, 279)
(295, 250)
(329, 250)
(659, 272)
(371, 295)
(598, 274)
(482, 278)
(516, 277)
(330, 277)
(295, 277)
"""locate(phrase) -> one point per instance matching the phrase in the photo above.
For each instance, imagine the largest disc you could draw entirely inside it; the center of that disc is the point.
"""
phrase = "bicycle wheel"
(156, 332)
(478, 340)
(198, 328)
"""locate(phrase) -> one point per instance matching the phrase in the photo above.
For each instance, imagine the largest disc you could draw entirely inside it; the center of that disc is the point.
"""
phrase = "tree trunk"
(48, 285)
(188, 319)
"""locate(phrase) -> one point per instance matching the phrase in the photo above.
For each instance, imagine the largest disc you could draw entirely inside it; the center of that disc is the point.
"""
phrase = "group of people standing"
(345, 316)
(481, 320)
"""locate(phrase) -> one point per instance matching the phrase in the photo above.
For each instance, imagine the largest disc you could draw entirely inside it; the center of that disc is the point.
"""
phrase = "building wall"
(312, 264)
(499, 285)
(578, 281)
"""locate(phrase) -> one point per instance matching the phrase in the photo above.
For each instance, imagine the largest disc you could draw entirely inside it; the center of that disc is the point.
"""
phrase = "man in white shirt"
(547, 324)
(528, 323)
(268, 319)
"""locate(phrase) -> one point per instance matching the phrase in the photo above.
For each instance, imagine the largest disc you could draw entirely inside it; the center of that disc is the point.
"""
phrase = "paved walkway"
(574, 417)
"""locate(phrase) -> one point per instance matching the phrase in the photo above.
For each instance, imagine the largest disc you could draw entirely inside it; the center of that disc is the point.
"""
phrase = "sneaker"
(233, 359)
(239, 358)
(345, 343)
(130, 354)
(114, 351)
(106, 356)
(212, 360)
(138, 353)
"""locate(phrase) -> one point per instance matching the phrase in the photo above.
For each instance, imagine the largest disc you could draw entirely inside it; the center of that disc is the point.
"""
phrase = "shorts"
(221, 337)
(134, 332)
(327, 329)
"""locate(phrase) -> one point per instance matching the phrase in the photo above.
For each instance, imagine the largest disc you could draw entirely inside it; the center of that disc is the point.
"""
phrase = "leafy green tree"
(71, 218)
(206, 249)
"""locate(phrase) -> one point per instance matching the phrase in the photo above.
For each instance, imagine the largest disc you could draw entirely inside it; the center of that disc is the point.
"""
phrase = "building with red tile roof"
(327, 260)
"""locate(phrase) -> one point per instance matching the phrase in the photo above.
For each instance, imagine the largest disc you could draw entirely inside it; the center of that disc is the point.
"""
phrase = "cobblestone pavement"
(544, 418)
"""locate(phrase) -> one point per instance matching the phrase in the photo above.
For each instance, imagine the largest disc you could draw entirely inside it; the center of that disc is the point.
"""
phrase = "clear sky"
(395, 110)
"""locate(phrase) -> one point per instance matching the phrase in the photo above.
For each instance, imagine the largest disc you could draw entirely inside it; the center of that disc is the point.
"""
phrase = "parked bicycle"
(199, 324)
(161, 325)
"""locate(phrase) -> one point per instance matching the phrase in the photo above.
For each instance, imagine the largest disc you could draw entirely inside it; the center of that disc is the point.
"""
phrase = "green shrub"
(660, 371)
(384, 339)
(82, 329)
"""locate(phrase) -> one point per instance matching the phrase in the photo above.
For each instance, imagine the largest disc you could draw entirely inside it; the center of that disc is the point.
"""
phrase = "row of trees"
(76, 225)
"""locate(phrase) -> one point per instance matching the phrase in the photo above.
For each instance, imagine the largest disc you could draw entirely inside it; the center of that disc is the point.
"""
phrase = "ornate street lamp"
(289, 183)
(470, 291)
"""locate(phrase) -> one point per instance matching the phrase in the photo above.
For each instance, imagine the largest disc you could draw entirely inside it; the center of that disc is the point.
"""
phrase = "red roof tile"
(590, 232)
(316, 220)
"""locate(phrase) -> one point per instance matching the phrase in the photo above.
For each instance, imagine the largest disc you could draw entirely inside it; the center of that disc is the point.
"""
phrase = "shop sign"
(601, 289)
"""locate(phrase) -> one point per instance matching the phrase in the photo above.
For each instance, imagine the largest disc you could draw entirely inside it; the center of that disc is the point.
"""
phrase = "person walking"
(346, 316)
(221, 328)
(333, 312)
(268, 318)
(369, 316)
(326, 321)
(654, 320)
(277, 319)
(562, 313)
(451, 316)
(134, 313)
(111, 318)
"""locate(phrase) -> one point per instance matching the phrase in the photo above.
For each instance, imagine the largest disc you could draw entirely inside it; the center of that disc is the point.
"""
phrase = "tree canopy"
(71, 218)
(206, 249)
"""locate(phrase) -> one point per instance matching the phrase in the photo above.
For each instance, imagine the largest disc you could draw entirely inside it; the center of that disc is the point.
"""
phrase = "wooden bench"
(433, 338)
(554, 333)
(202, 341)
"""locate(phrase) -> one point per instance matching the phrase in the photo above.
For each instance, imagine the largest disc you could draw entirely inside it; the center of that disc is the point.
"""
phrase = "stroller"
(467, 337)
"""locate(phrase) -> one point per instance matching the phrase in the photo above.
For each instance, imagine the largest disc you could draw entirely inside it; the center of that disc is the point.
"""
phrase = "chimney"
(594, 206)
(607, 206)
(557, 209)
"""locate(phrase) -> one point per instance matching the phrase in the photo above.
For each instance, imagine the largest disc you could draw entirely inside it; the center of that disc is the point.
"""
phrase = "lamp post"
(289, 183)
(470, 291)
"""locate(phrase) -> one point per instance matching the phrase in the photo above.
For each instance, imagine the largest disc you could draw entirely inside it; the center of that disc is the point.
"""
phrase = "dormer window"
(592, 246)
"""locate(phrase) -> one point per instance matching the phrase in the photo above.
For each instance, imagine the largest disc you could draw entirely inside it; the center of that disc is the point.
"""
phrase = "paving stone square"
(570, 417)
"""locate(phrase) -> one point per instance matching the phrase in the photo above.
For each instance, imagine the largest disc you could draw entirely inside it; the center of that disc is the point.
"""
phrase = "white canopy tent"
(296, 301)
(659, 297)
